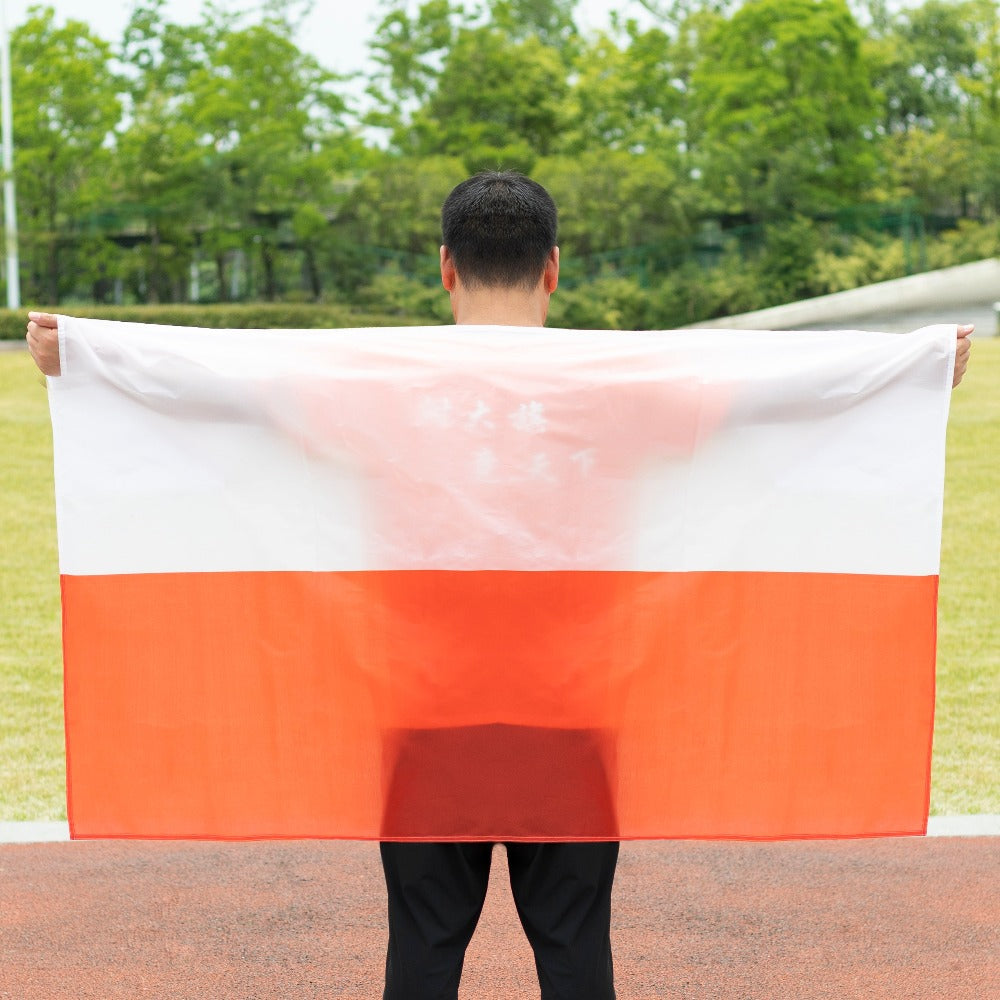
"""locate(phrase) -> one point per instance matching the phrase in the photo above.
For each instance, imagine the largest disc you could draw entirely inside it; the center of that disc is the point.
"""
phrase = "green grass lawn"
(32, 772)
(966, 770)
(966, 776)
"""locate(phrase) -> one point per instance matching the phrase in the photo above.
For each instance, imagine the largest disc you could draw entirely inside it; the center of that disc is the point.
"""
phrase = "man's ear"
(550, 276)
(448, 273)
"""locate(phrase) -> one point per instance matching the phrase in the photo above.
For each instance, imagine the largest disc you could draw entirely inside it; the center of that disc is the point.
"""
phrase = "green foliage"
(270, 124)
(550, 21)
(66, 106)
(855, 261)
(969, 241)
(232, 136)
(252, 316)
(629, 95)
(407, 50)
(938, 47)
(612, 199)
(862, 264)
(733, 285)
(686, 295)
(786, 105)
(515, 112)
(398, 297)
(787, 261)
(931, 166)
(398, 204)
(606, 303)
(218, 160)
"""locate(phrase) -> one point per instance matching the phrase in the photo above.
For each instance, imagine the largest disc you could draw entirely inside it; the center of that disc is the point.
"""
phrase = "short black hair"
(500, 227)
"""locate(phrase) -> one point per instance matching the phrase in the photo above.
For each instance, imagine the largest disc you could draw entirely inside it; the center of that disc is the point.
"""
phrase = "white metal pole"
(7, 136)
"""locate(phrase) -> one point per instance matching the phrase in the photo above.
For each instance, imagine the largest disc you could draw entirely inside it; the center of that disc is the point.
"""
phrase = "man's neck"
(500, 307)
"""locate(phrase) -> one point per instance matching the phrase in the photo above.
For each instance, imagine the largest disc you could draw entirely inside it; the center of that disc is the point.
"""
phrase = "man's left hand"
(43, 342)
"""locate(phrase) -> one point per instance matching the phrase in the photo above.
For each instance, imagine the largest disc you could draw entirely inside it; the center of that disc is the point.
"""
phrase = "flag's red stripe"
(500, 705)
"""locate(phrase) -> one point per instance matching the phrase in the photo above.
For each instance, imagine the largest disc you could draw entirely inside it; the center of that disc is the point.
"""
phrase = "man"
(500, 265)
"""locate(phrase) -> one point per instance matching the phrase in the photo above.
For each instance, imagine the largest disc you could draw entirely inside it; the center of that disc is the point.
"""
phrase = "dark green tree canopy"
(220, 158)
(786, 106)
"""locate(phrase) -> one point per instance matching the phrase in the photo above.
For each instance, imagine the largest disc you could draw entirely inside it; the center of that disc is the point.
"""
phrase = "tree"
(550, 21)
(159, 172)
(397, 206)
(917, 57)
(981, 108)
(272, 118)
(677, 13)
(160, 164)
(253, 141)
(408, 50)
(610, 200)
(941, 48)
(65, 107)
(937, 70)
(515, 113)
(785, 108)
(627, 94)
(487, 84)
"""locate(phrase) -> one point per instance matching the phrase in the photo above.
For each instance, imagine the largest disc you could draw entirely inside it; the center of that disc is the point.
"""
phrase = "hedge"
(252, 316)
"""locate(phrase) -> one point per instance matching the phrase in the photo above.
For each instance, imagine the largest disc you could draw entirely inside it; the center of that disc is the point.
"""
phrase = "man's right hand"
(43, 342)
(962, 350)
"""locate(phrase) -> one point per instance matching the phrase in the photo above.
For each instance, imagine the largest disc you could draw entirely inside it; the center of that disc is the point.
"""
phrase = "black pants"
(563, 896)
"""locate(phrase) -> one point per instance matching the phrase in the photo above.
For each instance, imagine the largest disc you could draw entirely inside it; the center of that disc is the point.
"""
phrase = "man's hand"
(962, 350)
(43, 342)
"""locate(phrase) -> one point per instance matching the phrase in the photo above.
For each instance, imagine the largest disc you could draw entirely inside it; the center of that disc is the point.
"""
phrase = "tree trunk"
(312, 271)
(267, 259)
(101, 287)
(153, 280)
(220, 272)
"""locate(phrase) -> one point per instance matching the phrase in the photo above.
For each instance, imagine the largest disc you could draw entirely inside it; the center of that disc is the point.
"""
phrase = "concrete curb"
(34, 832)
(963, 826)
(44, 832)
(949, 288)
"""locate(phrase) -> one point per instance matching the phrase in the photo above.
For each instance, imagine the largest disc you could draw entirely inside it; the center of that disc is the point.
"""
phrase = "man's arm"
(43, 342)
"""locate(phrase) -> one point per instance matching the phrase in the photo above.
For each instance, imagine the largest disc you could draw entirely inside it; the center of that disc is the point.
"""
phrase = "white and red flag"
(497, 583)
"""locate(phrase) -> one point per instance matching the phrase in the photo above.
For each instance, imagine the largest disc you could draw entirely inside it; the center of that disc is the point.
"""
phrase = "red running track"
(913, 919)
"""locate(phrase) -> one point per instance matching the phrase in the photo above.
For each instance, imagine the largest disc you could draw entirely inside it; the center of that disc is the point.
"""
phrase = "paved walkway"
(912, 919)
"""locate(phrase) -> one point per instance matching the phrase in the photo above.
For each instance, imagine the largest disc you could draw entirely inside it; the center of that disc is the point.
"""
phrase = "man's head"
(500, 230)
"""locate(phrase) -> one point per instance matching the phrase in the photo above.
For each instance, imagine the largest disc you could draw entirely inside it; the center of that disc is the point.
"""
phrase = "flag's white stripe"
(184, 450)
